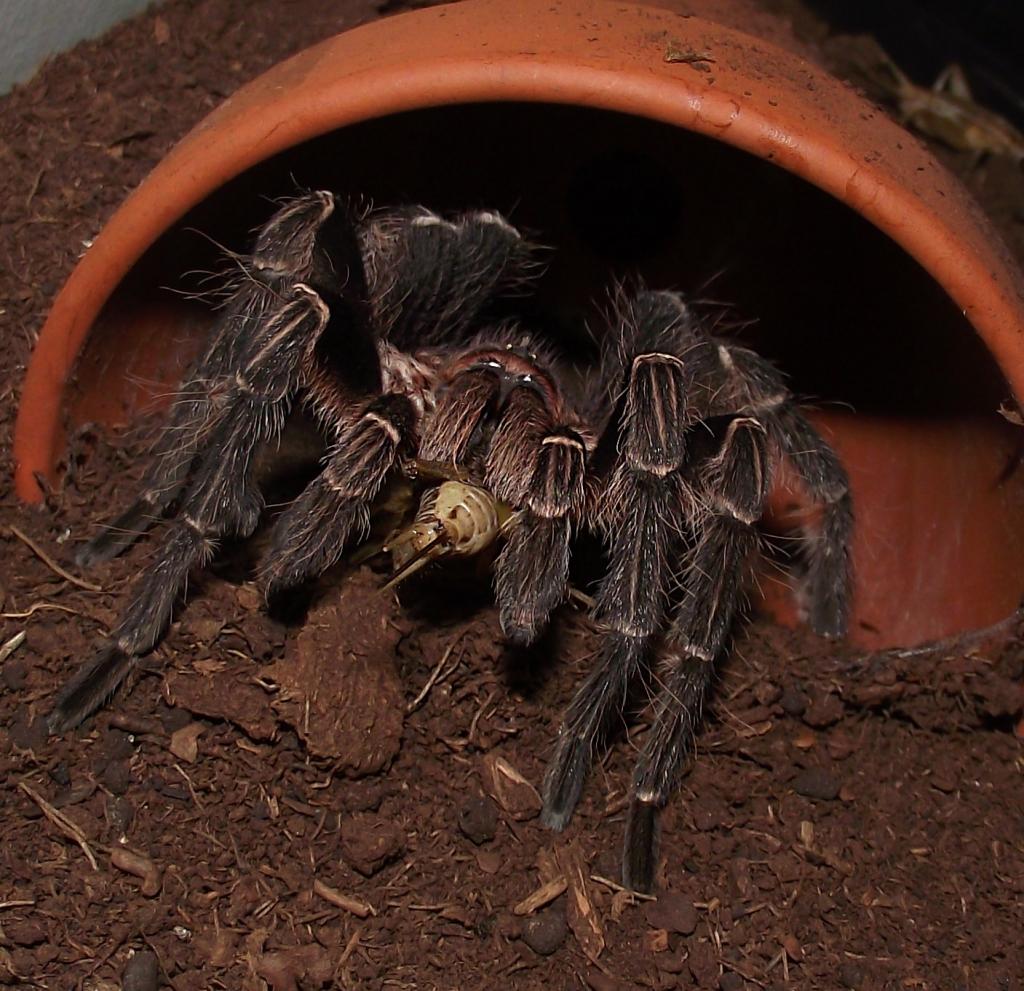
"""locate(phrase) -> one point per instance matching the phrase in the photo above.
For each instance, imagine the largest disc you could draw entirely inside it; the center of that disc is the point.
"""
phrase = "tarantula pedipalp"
(381, 326)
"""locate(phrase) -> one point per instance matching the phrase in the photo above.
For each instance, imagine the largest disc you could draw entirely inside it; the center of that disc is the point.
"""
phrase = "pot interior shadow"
(850, 317)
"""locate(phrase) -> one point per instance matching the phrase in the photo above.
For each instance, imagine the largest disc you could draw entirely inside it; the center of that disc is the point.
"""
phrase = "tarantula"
(384, 326)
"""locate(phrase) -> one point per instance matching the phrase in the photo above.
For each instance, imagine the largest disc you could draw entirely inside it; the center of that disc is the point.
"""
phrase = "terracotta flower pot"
(633, 140)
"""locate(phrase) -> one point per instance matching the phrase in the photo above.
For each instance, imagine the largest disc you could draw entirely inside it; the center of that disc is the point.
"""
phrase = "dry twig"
(357, 907)
(38, 606)
(544, 895)
(11, 646)
(67, 826)
(434, 676)
(622, 890)
(53, 565)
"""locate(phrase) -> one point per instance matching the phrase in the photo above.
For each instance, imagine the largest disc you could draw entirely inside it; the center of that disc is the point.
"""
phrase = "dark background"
(986, 37)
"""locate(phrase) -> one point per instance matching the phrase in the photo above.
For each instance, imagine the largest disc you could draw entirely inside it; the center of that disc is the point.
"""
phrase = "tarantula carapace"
(386, 326)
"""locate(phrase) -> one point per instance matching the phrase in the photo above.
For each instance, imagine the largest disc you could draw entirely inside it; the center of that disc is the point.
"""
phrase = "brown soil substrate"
(349, 801)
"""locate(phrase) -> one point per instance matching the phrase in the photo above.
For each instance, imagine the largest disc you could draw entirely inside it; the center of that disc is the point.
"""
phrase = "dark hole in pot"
(853, 320)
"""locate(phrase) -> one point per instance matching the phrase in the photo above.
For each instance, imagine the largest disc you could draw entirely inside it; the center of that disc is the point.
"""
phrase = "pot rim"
(590, 53)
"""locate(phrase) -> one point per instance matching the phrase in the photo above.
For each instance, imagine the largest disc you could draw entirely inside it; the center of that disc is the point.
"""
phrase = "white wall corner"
(33, 30)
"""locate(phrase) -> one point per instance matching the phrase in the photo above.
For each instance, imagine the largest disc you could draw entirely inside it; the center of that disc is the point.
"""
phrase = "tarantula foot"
(825, 608)
(115, 538)
(563, 784)
(89, 689)
(640, 854)
(519, 628)
(828, 622)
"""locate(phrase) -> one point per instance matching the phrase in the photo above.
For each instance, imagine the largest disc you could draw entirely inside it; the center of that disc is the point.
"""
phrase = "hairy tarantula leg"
(312, 533)
(642, 514)
(736, 483)
(685, 680)
(434, 277)
(451, 429)
(825, 544)
(512, 451)
(284, 253)
(536, 463)
(532, 572)
(756, 386)
(222, 499)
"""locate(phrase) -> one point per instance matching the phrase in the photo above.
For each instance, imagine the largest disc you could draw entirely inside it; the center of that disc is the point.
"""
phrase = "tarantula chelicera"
(384, 326)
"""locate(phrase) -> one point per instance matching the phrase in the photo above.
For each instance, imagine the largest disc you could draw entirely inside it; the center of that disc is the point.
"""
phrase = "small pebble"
(478, 819)
(546, 931)
(142, 972)
(116, 744)
(59, 775)
(368, 842)
(598, 981)
(116, 776)
(15, 673)
(816, 782)
(28, 735)
(120, 815)
(731, 981)
(174, 719)
(793, 701)
(851, 975)
(703, 964)
(672, 911)
(824, 710)
(28, 932)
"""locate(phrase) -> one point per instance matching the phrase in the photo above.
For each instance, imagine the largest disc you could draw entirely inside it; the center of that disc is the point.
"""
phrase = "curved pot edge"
(343, 81)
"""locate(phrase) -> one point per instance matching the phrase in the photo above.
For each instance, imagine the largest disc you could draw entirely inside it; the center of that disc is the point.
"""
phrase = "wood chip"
(544, 895)
(580, 912)
(345, 902)
(547, 865)
(656, 940)
(510, 789)
(161, 31)
(185, 742)
(140, 866)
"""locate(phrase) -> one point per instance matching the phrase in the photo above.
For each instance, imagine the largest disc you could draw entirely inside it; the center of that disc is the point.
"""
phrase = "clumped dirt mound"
(351, 802)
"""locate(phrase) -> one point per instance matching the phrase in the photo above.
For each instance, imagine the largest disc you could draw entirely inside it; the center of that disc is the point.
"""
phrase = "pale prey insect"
(453, 518)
